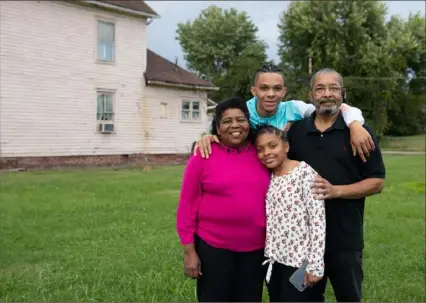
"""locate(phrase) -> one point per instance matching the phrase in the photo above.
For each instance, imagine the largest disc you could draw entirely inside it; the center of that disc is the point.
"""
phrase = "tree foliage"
(380, 61)
(383, 62)
(222, 46)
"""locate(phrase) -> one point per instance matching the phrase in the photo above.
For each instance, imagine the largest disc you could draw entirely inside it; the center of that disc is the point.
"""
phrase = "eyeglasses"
(333, 89)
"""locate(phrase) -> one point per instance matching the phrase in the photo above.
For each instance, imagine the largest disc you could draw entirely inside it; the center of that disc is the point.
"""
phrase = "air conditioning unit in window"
(106, 127)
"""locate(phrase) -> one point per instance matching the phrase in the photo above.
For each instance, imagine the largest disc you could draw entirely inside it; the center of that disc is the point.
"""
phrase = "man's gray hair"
(326, 71)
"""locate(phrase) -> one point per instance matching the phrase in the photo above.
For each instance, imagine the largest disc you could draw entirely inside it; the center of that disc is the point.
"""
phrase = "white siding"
(49, 77)
(170, 135)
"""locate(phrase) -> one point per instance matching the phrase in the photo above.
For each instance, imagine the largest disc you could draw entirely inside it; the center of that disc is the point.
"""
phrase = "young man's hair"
(267, 68)
(231, 103)
(270, 129)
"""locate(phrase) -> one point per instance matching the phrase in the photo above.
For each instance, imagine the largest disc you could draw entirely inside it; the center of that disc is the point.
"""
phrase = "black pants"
(344, 270)
(281, 290)
(229, 276)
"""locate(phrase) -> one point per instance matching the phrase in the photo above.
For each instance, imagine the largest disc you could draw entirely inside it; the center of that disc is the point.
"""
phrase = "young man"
(322, 141)
(266, 108)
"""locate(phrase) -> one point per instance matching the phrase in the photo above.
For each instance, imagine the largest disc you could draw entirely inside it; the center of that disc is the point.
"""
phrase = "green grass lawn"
(409, 143)
(109, 235)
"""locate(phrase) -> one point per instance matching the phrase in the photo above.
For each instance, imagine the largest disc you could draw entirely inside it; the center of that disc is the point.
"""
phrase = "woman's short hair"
(232, 103)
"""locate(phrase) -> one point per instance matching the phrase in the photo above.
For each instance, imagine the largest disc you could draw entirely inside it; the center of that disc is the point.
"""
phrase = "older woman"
(221, 213)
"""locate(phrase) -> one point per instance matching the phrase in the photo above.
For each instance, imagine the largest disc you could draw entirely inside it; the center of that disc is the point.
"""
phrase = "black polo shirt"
(330, 154)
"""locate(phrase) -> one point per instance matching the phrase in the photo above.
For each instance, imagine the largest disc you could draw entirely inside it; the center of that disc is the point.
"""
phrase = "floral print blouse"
(295, 222)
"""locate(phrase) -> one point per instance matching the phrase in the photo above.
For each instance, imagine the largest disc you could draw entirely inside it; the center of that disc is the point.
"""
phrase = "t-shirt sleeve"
(295, 110)
(190, 195)
(303, 109)
(374, 167)
(351, 113)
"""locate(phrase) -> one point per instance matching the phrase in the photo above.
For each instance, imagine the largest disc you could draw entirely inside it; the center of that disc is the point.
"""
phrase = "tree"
(416, 58)
(221, 46)
(353, 38)
(406, 44)
(240, 75)
(340, 34)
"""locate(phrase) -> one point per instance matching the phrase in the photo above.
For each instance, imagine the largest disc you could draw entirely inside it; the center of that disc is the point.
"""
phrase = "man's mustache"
(326, 101)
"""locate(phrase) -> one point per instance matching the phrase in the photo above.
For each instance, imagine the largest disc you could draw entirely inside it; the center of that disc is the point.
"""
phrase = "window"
(163, 110)
(106, 41)
(191, 110)
(105, 106)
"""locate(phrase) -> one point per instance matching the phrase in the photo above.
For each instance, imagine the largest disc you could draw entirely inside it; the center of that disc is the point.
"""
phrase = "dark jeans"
(229, 276)
(281, 290)
(344, 270)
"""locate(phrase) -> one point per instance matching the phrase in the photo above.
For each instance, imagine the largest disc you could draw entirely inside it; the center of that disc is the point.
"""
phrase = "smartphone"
(298, 277)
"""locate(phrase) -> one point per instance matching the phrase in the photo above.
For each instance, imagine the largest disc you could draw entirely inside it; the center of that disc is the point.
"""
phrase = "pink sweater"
(222, 200)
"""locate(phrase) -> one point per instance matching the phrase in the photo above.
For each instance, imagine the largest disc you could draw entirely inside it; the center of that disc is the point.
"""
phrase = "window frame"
(106, 93)
(164, 105)
(100, 20)
(191, 110)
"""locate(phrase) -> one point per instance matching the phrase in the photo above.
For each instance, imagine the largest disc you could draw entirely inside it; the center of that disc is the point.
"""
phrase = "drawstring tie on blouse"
(269, 272)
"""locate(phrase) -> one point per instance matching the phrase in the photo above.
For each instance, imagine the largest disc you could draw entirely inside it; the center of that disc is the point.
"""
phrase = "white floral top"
(295, 222)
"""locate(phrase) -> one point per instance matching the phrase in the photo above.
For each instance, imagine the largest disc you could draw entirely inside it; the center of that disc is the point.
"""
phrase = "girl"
(295, 228)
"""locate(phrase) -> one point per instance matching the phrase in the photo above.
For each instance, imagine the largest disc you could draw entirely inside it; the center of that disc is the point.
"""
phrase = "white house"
(78, 86)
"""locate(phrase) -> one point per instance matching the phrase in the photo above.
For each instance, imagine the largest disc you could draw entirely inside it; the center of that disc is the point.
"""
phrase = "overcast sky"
(265, 14)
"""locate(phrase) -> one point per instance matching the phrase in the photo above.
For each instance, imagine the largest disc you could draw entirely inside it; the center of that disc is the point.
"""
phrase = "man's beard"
(329, 110)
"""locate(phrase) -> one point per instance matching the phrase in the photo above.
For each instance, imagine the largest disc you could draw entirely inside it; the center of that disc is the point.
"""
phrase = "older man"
(323, 141)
